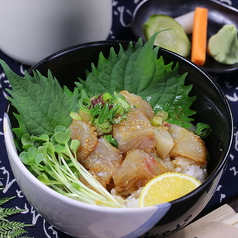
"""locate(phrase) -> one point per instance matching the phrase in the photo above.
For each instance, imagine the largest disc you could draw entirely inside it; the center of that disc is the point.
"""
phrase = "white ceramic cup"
(30, 30)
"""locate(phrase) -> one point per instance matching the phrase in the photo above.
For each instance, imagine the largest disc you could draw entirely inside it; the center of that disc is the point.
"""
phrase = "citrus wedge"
(172, 35)
(167, 187)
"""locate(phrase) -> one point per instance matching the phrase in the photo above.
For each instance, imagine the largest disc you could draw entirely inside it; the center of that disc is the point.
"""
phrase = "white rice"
(187, 166)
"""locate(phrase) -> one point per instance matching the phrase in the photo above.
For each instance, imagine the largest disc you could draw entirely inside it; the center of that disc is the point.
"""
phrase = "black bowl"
(219, 15)
(211, 106)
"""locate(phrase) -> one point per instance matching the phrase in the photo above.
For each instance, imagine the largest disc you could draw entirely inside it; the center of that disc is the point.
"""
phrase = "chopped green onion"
(111, 140)
(121, 100)
(104, 113)
(156, 121)
(85, 104)
(95, 112)
(106, 110)
(202, 130)
(105, 127)
(164, 115)
(85, 115)
(75, 116)
(106, 97)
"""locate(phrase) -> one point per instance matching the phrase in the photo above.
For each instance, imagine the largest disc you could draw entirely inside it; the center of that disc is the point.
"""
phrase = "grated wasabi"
(223, 46)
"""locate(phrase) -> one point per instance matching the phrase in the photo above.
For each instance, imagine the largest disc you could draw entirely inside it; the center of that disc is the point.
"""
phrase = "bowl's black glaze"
(211, 106)
(219, 15)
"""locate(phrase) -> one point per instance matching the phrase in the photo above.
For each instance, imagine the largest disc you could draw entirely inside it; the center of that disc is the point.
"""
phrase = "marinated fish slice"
(136, 170)
(103, 162)
(86, 134)
(137, 101)
(187, 145)
(134, 133)
(164, 141)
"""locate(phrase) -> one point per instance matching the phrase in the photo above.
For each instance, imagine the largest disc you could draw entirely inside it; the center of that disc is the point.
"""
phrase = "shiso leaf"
(41, 102)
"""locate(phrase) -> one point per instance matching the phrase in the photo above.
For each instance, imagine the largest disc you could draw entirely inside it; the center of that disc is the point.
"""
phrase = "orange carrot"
(199, 36)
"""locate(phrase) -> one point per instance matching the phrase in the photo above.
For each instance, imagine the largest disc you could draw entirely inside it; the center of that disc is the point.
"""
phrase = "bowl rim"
(209, 179)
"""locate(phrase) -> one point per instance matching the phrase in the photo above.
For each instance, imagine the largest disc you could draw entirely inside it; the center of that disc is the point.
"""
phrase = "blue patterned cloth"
(122, 12)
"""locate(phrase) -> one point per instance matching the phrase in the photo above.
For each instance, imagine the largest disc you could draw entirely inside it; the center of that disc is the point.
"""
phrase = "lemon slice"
(167, 187)
(172, 35)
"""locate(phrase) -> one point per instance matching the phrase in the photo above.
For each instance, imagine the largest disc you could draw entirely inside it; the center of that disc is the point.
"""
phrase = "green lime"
(171, 34)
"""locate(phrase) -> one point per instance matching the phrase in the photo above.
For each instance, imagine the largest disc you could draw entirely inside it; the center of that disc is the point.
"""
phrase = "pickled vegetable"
(172, 35)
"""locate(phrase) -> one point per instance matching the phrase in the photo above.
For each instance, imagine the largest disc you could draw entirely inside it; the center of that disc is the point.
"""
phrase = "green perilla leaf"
(41, 102)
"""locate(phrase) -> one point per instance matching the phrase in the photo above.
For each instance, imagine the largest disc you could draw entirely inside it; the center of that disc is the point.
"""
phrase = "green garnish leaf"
(202, 130)
(41, 102)
(111, 140)
(56, 165)
(10, 228)
(62, 137)
(74, 145)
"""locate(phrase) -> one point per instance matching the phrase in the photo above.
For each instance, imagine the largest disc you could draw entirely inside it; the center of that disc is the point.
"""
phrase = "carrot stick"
(199, 36)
